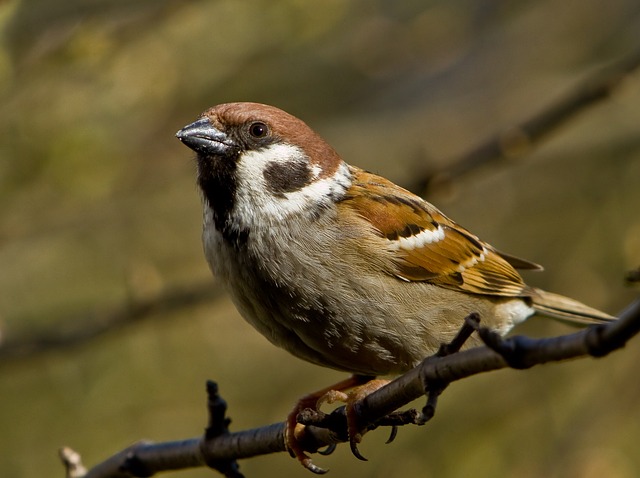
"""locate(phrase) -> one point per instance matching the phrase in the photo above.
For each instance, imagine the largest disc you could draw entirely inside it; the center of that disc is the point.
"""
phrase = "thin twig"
(218, 426)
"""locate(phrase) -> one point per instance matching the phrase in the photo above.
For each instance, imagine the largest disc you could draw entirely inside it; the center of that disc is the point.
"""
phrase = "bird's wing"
(424, 245)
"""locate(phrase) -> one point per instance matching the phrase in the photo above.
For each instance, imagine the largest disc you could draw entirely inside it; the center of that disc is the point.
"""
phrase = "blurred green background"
(99, 210)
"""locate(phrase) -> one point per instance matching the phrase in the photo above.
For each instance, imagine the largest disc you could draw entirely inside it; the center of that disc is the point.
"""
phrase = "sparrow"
(341, 267)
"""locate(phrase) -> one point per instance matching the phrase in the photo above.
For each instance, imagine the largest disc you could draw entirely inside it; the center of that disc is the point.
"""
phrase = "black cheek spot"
(286, 177)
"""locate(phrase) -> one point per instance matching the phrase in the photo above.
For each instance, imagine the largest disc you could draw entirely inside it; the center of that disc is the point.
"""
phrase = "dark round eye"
(258, 130)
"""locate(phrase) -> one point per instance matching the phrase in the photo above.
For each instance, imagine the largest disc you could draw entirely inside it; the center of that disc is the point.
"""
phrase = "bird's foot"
(294, 431)
(351, 400)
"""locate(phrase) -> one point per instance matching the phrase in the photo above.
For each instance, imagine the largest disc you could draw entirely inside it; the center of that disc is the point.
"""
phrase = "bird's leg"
(350, 399)
(294, 431)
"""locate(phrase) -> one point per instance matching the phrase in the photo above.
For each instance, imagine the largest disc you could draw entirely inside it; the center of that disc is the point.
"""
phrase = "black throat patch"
(217, 180)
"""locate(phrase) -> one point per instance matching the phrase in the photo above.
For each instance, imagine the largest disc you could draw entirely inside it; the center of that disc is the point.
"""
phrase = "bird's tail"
(566, 309)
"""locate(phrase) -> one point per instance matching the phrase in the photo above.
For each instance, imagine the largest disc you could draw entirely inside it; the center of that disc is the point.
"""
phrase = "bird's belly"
(369, 332)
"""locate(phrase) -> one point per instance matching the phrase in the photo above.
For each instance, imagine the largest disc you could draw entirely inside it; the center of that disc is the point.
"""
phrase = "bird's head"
(257, 163)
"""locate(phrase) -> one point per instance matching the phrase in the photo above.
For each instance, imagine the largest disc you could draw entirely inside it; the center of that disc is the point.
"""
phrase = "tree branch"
(220, 448)
(518, 140)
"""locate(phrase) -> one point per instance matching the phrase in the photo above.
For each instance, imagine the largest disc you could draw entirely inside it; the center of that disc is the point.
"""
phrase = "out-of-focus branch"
(93, 324)
(220, 448)
(519, 139)
(633, 276)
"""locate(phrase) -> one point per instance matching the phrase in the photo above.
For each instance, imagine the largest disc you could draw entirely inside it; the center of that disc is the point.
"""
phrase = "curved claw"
(309, 465)
(355, 451)
(293, 445)
(329, 450)
(392, 435)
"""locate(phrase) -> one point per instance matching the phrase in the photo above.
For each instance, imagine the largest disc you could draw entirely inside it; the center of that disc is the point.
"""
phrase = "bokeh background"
(99, 214)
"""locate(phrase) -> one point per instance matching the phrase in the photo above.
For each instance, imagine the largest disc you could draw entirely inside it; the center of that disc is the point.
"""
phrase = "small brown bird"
(338, 266)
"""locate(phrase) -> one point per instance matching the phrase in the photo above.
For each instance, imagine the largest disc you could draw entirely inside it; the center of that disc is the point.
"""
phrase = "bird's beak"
(203, 138)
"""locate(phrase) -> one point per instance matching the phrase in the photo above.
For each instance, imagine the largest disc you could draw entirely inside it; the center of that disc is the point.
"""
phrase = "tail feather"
(566, 309)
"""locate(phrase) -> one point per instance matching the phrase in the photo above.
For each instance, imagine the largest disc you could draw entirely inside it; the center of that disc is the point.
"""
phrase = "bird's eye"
(258, 130)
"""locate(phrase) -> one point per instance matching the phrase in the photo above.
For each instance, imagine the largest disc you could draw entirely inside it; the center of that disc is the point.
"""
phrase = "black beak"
(203, 138)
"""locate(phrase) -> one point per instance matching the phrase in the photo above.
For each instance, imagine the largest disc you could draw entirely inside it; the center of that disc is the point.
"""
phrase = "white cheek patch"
(316, 170)
(318, 192)
(255, 199)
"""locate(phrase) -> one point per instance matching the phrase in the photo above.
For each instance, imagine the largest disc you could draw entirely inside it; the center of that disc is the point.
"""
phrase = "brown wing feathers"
(415, 231)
